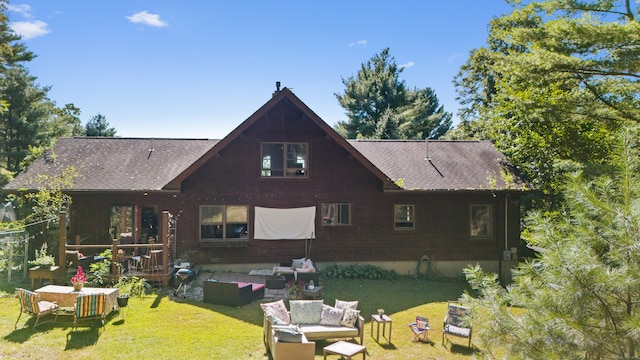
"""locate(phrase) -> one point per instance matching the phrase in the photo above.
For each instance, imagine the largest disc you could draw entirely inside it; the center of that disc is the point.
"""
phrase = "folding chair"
(31, 304)
(420, 329)
(91, 306)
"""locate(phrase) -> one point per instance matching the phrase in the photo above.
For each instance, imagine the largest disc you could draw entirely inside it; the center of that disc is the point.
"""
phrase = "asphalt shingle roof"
(127, 164)
(112, 164)
(453, 165)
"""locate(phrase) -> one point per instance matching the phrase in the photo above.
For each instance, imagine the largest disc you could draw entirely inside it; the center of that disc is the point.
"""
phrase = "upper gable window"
(284, 159)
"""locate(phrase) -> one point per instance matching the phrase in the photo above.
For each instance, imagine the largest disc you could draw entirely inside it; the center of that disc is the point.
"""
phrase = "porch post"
(164, 233)
(62, 244)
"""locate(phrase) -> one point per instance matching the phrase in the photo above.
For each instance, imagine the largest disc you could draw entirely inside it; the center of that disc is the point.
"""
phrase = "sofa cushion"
(331, 316)
(321, 332)
(289, 333)
(305, 311)
(279, 310)
(350, 317)
(341, 304)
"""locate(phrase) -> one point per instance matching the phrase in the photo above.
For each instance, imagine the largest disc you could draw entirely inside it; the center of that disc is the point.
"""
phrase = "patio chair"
(420, 329)
(31, 304)
(90, 306)
(457, 322)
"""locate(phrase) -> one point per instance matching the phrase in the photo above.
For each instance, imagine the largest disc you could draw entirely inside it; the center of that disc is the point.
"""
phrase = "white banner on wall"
(284, 224)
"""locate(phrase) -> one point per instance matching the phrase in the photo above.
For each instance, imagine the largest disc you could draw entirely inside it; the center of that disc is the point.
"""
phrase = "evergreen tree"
(379, 105)
(99, 126)
(554, 80)
(579, 298)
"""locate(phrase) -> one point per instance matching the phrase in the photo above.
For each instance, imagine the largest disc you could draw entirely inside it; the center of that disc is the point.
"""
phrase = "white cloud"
(144, 17)
(359, 42)
(22, 9)
(407, 65)
(30, 29)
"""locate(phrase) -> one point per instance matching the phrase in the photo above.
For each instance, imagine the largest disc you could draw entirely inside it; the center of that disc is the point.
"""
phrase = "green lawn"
(157, 327)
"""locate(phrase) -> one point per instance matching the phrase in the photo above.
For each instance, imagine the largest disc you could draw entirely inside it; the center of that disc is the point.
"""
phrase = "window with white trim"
(404, 217)
(220, 222)
(336, 214)
(284, 160)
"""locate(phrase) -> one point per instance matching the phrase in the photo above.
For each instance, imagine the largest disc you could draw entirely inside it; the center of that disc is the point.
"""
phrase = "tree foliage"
(99, 126)
(555, 79)
(28, 118)
(579, 298)
(379, 105)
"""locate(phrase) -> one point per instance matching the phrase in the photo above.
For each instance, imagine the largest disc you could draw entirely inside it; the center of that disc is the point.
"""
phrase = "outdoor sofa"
(290, 334)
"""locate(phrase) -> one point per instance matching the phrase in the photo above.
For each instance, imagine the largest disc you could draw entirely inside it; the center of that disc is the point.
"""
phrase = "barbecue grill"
(185, 276)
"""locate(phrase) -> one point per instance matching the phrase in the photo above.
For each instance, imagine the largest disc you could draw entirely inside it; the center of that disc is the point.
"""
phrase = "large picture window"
(338, 214)
(404, 217)
(219, 222)
(480, 221)
(284, 160)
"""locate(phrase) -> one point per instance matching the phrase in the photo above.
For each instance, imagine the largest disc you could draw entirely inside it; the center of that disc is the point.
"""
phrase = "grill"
(185, 276)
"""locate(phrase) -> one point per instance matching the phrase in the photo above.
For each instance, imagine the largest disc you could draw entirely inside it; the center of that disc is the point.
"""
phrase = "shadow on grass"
(82, 338)
(21, 335)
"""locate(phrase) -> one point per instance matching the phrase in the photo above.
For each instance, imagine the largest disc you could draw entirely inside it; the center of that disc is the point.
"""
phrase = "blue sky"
(197, 69)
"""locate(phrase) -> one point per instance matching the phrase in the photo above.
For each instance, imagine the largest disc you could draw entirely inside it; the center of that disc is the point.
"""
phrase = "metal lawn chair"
(31, 304)
(457, 321)
(90, 306)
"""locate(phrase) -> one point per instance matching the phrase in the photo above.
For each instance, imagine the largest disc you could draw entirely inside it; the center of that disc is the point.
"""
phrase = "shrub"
(355, 271)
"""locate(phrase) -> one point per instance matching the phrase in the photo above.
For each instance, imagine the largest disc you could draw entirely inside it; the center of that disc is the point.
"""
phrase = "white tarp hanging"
(284, 224)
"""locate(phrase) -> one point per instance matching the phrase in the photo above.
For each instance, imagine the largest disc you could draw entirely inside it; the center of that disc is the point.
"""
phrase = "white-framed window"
(481, 220)
(219, 222)
(284, 159)
(336, 214)
(404, 217)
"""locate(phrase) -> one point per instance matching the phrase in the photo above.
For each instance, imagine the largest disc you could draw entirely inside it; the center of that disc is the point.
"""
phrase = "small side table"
(314, 294)
(384, 320)
(38, 273)
(344, 348)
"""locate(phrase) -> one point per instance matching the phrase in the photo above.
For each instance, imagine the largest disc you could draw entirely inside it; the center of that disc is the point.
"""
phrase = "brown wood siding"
(232, 177)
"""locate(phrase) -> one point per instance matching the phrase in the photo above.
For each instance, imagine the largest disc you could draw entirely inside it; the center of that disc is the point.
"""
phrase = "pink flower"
(79, 277)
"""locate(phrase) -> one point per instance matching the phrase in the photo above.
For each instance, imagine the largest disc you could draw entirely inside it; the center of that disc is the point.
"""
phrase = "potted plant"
(130, 286)
(43, 259)
(79, 279)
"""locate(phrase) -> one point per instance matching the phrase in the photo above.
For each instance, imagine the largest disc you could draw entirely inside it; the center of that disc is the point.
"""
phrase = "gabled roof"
(283, 95)
(127, 164)
(439, 165)
(116, 164)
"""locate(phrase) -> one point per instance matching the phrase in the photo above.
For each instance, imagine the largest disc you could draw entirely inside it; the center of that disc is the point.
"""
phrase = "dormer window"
(284, 160)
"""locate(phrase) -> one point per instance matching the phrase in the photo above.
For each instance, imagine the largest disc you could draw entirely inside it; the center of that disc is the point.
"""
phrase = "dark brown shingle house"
(249, 200)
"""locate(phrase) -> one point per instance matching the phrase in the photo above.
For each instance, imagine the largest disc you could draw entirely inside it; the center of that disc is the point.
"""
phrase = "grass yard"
(158, 327)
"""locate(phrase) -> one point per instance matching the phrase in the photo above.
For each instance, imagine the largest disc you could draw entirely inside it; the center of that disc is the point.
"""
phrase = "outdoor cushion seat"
(457, 331)
(321, 332)
(231, 293)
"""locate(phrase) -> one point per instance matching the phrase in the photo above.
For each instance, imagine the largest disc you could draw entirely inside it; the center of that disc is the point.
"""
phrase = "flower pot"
(77, 286)
(123, 300)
